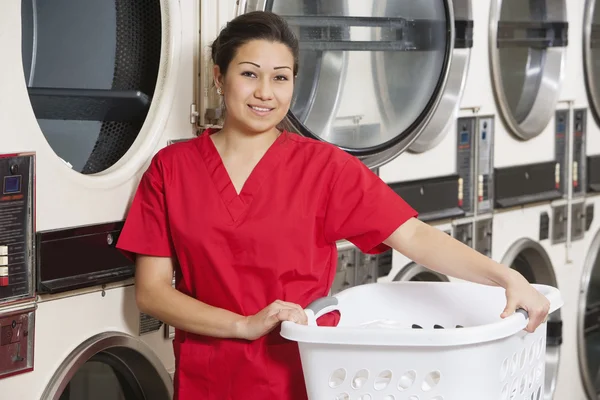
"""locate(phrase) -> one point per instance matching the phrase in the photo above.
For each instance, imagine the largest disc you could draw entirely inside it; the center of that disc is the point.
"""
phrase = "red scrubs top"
(275, 240)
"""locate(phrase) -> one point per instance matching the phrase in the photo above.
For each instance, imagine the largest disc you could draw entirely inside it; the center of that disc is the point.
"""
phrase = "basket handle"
(320, 307)
(552, 294)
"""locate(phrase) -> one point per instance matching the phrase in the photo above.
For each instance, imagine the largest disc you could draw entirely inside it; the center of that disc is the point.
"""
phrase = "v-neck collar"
(235, 203)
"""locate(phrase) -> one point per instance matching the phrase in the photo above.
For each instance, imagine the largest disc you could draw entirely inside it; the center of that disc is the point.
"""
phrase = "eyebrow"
(258, 66)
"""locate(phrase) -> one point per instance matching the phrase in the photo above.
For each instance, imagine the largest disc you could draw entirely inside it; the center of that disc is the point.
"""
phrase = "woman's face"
(258, 86)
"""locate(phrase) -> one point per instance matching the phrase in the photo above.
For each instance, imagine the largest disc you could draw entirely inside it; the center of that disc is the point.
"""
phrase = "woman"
(248, 217)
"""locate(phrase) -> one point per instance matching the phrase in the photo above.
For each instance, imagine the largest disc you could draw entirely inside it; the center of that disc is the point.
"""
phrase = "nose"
(264, 91)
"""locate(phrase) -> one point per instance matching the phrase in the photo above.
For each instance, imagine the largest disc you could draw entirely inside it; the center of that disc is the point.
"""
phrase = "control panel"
(465, 155)
(16, 227)
(475, 163)
(485, 165)
(16, 342)
(561, 149)
(579, 180)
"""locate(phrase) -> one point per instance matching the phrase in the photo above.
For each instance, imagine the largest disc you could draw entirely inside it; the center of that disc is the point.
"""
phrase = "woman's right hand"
(257, 325)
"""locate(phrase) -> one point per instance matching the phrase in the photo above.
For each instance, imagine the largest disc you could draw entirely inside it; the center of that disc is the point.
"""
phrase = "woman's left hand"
(520, 294)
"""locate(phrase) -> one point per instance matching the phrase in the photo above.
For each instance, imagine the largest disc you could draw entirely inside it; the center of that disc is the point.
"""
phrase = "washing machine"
(87, 346)
(91, 91)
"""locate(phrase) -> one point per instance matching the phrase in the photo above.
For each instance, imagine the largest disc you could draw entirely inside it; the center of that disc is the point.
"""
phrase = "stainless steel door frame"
(529, 107)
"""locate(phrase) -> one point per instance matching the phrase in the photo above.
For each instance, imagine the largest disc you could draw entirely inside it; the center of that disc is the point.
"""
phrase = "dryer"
(581, 369)
(437, 173)
(531, 240)
(347, 50)
(94, 89)
(87, 346)
(527, 46)
(91, 90)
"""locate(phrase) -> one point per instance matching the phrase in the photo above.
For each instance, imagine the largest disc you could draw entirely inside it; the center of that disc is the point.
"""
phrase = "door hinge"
(193, 114)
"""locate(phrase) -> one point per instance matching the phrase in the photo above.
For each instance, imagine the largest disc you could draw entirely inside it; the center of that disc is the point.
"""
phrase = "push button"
(3, 256)
(3, 266)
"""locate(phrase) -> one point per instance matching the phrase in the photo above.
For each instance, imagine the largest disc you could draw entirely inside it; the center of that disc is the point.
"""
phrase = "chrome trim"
(462, 9)
(412, 270)
(588, 266)
(544, 271)
(388, 154)
(143, 363)
(18, 308)
(552, 69)
(438, 127)
(588, 60)
(100, 289)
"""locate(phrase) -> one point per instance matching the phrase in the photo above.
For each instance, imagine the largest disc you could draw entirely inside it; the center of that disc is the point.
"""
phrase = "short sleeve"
(363, 209)
(146, 228)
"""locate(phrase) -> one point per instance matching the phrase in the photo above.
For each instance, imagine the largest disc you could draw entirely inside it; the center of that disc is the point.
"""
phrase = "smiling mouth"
(260, 110)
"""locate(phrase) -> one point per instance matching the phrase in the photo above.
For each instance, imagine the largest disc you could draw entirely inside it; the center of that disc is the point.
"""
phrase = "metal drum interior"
(527, 52)
(591, 55)
(91, 68)
(531, 260)
(371, 73)
(110, 366)
(589, 329)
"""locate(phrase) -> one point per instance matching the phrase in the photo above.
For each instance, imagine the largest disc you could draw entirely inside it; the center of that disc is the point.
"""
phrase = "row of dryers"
(92, 89)
(528, 180)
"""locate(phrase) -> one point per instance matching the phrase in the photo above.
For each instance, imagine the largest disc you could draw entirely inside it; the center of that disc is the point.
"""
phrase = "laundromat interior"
(484, 115)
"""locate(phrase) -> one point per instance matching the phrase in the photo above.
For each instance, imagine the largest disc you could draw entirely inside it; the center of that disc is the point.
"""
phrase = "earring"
(220, 91)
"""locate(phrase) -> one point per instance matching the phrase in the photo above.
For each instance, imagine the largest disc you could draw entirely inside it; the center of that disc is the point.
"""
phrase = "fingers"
(537, 316)
(285, 311)
(511, 306)
(538, 313)
(293, 315)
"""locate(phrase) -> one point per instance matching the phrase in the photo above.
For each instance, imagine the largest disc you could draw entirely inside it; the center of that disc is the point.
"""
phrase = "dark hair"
(255, 25)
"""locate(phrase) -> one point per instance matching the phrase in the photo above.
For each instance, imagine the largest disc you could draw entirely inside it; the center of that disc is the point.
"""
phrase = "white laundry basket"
(422, 341)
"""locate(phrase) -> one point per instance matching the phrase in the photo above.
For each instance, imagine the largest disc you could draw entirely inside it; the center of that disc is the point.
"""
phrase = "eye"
(281, 78)
(249, 74)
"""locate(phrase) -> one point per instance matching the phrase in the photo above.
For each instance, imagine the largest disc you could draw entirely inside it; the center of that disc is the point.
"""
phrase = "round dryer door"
(588, 329)
(531, 260)
(91, 69)
(418, 273)
(591, 54)
(527, 45)
(372, 73)
(113, 365)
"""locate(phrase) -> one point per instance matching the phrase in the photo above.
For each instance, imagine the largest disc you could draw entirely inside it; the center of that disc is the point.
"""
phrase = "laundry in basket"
(422, 341)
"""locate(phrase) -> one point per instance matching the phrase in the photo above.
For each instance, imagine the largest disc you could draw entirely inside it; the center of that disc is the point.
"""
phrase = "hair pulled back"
(255, 25)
